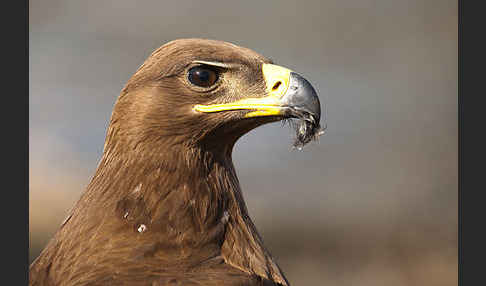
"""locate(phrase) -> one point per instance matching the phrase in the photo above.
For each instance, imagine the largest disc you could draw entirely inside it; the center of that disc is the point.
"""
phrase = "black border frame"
(15, 141)
(471, 146)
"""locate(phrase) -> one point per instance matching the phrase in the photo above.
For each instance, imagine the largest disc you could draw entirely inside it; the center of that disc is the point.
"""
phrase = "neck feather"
(186, 198)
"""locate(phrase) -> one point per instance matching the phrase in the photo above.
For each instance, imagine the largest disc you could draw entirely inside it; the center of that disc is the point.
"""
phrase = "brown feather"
(164, 206)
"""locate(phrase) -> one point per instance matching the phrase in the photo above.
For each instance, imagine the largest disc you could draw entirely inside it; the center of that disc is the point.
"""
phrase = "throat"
(243, 247)
(196, 205)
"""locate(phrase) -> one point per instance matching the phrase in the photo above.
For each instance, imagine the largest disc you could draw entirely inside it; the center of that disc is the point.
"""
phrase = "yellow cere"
(277, 83)
(276, 76)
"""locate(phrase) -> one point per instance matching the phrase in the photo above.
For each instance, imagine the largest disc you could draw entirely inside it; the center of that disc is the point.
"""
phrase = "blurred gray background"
(374, 202)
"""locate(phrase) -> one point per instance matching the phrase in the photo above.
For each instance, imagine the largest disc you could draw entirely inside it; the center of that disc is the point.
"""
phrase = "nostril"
(276, 85)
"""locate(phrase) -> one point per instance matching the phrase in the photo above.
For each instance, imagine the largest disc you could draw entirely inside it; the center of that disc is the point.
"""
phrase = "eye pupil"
(202, 76)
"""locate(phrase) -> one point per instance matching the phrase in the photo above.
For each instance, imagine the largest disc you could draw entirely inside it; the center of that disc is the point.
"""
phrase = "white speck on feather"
(125, 215)
(138, 188)
(141, 228)
(225, 217)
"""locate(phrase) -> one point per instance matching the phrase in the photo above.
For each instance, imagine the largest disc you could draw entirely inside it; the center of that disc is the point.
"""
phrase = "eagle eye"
(202, 76)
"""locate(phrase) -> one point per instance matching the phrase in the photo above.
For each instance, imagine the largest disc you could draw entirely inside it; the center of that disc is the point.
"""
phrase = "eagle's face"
(196, 91)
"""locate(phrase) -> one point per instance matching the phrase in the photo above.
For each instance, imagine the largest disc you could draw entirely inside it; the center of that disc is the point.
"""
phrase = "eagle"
(164, 206)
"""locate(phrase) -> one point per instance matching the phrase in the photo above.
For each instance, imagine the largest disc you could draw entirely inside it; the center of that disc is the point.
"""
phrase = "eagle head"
(210, 93)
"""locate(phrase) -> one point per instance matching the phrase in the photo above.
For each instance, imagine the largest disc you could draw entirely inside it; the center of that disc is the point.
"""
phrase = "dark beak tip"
(303, 96)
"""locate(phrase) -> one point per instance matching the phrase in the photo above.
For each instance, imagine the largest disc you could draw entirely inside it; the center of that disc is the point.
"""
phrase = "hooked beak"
(288, 95)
